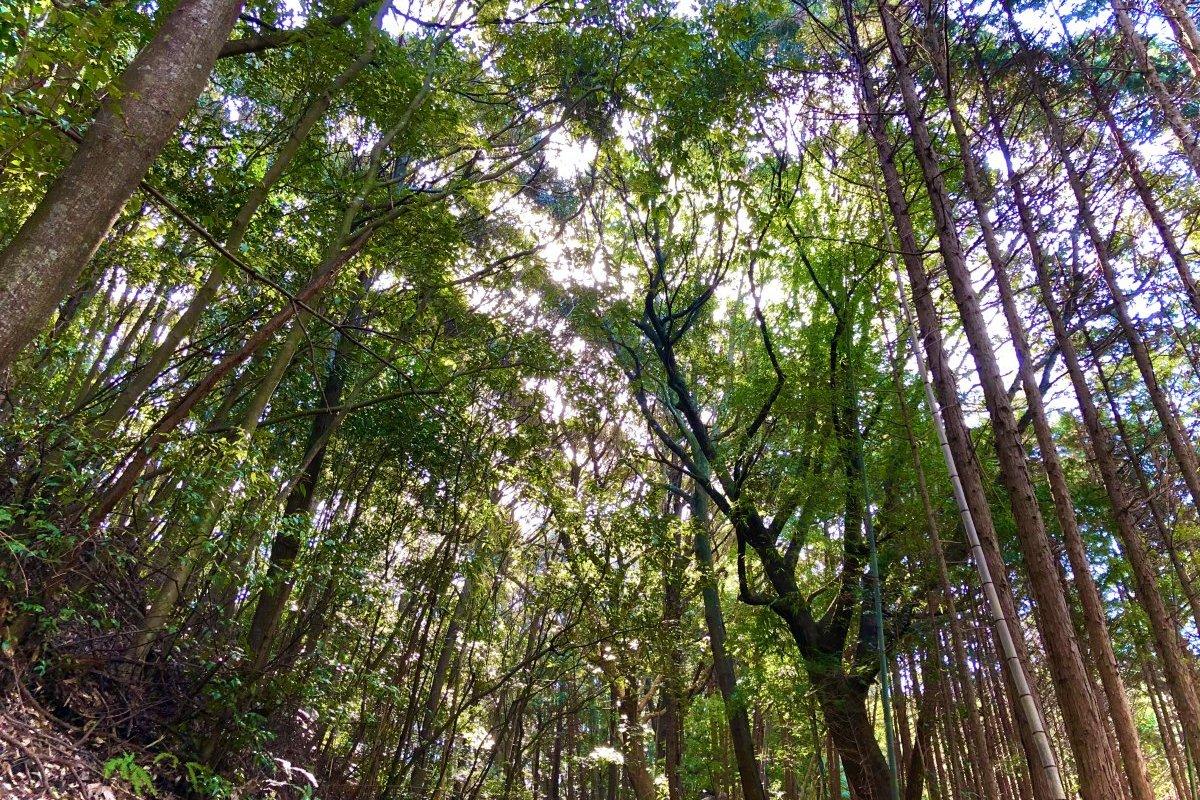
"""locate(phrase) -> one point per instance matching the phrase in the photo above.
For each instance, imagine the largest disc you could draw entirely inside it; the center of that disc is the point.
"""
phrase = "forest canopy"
(586, 400)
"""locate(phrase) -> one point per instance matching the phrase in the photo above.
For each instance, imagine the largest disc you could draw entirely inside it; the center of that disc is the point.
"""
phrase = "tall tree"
(140, 115)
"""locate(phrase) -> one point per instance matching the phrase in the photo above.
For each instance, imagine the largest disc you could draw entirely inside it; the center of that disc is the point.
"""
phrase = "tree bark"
(633, 747)
(980, 752)
(1142, 186)
(1181, 447)
(1095, 620)
(148, 372)
(1043, 770)
(843, 702)
(1082, 714)
(1187, 37)
(156, 91)
(1188, 141)
(723, 667)
(434, 699)
(1165, 635)
(286, 546)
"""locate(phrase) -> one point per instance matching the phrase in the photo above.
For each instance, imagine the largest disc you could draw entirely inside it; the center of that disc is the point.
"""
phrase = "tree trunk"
(148, 372)
(1165, 635)
(672, 717)
(1166, 104)
(633, 748)
(1095, 620)
(914, 774)
(981, 755)
(433, 698)
(1144, 191)
(1187, 37)
(1181, 447)
(975, 509)
(723, 667)
(286, 546)
(1082, 714)
(156, 91)
(843, 702)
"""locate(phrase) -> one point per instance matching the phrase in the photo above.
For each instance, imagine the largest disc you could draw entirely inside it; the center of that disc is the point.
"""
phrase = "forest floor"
(43, 755)
(89, 735)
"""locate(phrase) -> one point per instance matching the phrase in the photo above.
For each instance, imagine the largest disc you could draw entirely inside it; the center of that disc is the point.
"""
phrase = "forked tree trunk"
(156, 91)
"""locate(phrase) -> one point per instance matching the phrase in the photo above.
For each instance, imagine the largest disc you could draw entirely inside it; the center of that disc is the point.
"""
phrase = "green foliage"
(205, 783)
(456, 535)
(125, 767)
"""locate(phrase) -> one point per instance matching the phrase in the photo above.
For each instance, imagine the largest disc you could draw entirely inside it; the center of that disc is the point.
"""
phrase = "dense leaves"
(526, 400)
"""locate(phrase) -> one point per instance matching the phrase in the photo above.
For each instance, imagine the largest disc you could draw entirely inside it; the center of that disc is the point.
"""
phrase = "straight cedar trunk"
(937, 781)
(1161, 526)
(957, 435)
(156, 91)
(1167, 106)
(1095, 619)
(1141, 184)
(1187, 37)
(1181, 447)
(900, 714)
(1083, 715)
(723, 668)
(1176, 761)
(980, 751)
(943, 781)
(919, 755)
(952, 730)
(1165, 635)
